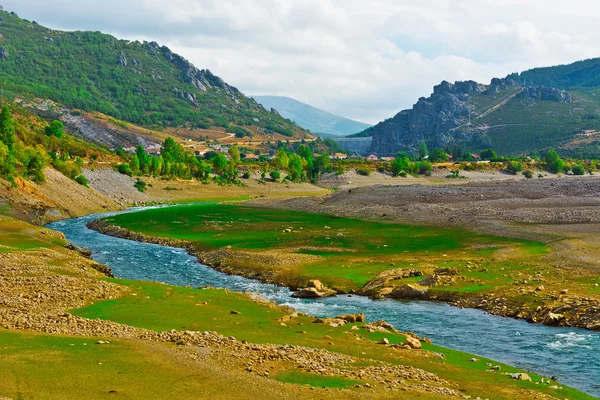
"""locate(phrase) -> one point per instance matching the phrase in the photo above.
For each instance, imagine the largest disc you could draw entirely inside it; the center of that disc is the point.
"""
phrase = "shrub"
(528, 174)
(363, 171)
(125, 169)
(246, 175)
(140, 185)
(578, 170)
(275, 175)
(55, 129)
(566, 169)
(515, 167)
(82, 180)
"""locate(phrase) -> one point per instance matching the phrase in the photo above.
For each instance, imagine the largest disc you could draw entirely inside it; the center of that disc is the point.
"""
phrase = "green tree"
(488, 154)
(282, 160)
(7, 137)
(134, 164)
(423, 150)
(553, 162)
(219, 163)
(438, 155)
(234, 153)
(275, 175)
(515, 167)
(144, 159)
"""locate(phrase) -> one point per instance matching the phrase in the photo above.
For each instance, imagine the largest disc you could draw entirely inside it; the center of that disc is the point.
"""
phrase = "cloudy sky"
(363, 59)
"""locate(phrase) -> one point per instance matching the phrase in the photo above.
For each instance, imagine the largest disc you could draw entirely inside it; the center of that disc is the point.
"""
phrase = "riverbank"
(462, 276)
(60, 308)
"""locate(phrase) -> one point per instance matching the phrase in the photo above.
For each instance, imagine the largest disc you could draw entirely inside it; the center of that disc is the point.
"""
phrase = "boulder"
(409, 292)
(314, 290)
(384, 278)
(553, 319)
(333, 322)
(446, 271)
(384, 341)
(352, 318)
(414, 343)
(521, 377)
(3, 53)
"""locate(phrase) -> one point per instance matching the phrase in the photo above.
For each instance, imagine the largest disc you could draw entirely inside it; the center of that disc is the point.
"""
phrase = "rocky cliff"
(463, 113)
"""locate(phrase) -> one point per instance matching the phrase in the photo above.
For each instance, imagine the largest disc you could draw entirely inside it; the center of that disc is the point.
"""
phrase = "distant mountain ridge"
(312, 118)
(553, 107)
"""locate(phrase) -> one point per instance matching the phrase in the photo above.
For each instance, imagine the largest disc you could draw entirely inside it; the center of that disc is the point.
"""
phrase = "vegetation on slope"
(142, 83)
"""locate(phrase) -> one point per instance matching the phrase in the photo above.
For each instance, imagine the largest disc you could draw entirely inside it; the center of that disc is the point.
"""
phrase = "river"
(572, 355)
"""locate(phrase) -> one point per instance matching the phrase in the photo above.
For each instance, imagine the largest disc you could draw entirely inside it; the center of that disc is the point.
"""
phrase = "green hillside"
(142, 83)
(317, 121)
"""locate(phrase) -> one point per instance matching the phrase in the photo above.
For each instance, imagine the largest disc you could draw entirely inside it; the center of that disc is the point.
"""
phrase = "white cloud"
(364, 59)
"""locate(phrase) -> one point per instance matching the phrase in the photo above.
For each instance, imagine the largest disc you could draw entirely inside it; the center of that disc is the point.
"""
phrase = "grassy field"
(347, 253)
(42, 366)
(160, 307)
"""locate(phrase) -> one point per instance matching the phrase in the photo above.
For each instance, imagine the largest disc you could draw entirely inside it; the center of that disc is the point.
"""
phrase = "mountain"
(311, 118)
(141, 83)
(555, 107)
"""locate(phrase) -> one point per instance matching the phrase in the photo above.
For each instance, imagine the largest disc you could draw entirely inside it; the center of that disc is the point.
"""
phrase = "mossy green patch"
(351, 251)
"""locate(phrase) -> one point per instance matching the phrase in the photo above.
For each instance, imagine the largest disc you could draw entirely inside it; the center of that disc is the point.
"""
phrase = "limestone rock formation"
(314, 290)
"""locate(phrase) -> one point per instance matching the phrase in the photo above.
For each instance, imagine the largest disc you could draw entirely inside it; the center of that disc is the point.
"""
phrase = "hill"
(317, 121)
(554, 107)
(141, 83)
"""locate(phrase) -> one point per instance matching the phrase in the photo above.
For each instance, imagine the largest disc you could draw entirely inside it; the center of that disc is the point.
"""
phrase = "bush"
(578, 170)
(515, 167)
(125, 169)
(246, 175)
(528, 174)
(363, 171)
(82, 180)
(140, 185)
(275, 175)
(55, 129)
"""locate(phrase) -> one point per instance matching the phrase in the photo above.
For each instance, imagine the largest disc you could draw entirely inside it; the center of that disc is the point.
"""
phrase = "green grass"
(161, 307)
(36, 366)
(351, 252)
(315, 380)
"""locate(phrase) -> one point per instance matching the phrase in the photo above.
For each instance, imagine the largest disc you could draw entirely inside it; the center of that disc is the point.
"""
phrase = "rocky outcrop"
(122, 60)
(431, 119)
(315, 289)
(4, 53)
(547, 94)
(384, 279)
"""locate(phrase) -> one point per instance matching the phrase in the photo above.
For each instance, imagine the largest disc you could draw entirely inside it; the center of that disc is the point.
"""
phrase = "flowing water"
(572, 355)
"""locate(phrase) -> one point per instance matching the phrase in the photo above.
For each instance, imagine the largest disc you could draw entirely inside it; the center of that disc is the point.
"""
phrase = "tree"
(488, 154)
(135, 164)
(143, 158)
(219, 162)
(275, 175)
(7, 138)
(234, 153)
(282, 161)
(553, 161)
(438, 155)
(423, 150)
(56, 128)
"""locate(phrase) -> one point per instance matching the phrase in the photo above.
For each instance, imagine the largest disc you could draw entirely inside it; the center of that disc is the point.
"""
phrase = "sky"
(361, 59)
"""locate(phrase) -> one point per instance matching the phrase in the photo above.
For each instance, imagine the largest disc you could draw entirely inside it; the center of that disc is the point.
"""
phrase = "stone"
(235, 312)
(315, 289)
(384, 341)
(414, 343)
(564, 291)
(409, 291)
(352, 318)
(553, 319)
(122, 60)
(521, 377)
(4, 53)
